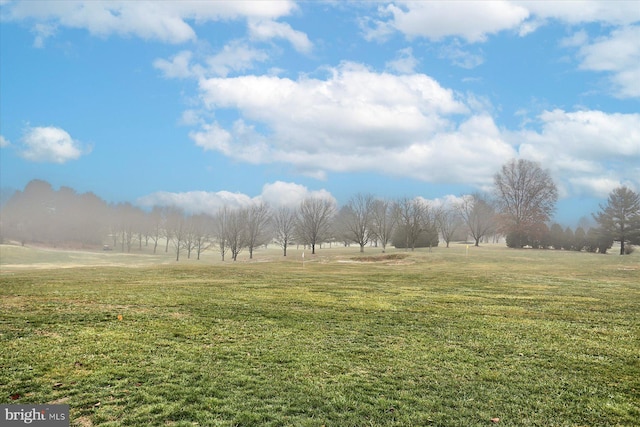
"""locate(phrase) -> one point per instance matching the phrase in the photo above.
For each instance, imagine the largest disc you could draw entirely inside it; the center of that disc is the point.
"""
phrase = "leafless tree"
(177, 229)
(221, 221)
(201, 229)
(411, 216)
(258, 216)
(384, 220)
(314, 220)
(449, 221)
(236, 231)
(357, 219)
(526, 196)
(128, 224)
(157, 224)
(284, 221)
(479, 216)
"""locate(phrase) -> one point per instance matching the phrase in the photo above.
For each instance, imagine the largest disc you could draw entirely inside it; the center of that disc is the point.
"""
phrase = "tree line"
(519, 208)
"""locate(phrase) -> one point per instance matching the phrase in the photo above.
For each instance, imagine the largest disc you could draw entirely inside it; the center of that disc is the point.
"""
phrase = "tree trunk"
(621, 246)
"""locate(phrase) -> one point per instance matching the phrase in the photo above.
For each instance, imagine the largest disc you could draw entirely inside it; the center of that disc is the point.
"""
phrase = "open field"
(534, 338)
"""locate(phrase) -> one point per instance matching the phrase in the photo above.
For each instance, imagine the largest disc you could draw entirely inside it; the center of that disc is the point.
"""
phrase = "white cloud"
(235, 56)
(355, 120)
(612, 12)
(163, 21)
(269, 29)
(196, 201)
(4, 142)
(275, 194)
(405, 62)
(618, 54)
(588, 151)
(290, 194)
(178, 67)
(474, 21)
(50, 144)
(435, 20)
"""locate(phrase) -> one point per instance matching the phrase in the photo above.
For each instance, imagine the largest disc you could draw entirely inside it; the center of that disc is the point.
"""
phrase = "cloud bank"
(275, 194)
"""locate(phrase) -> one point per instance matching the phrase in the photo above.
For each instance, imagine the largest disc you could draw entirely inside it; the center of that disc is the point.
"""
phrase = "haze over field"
(204, 104)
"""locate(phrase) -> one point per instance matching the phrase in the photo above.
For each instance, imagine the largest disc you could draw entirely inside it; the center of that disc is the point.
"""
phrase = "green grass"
(535, 338)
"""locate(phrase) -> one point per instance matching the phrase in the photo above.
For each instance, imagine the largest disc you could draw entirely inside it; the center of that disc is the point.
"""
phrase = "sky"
(205, 103)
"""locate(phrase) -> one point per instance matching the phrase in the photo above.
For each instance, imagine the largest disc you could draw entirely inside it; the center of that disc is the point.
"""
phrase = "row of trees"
(519, 208)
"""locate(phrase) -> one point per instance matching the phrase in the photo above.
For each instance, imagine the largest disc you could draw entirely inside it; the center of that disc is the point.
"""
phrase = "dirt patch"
(380, 258)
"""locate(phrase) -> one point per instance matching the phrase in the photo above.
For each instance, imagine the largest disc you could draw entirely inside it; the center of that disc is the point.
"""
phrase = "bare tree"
(357, 219)
(189, 241)
(411, 215)
(201, 228)
(384, 221)
(258, 216)
(157, 224)
(478, 215)
(176, 228)
(526, 197)
(284, 221)
(236, 231)
(313, 220)
(128, 223)
(449, 221)
(221, 222)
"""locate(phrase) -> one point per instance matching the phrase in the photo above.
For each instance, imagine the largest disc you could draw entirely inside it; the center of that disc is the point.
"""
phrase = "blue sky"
(205, 103)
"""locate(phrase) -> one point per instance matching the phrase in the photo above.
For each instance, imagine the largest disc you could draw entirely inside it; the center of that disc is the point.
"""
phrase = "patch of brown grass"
(380, 258)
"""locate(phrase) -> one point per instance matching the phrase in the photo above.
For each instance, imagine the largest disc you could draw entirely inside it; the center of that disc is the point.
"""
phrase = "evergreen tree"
(620, 218)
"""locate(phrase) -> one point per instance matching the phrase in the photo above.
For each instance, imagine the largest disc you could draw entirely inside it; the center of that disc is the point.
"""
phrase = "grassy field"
(532, 338)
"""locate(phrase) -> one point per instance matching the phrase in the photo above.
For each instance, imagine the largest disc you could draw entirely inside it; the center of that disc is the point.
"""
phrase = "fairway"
(442, 337)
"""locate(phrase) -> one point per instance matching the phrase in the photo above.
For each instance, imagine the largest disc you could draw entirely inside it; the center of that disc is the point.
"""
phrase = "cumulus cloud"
(269, 29)
(589, 152)
(409, 125)
(196, 201)
(162, 21)
(276, 194)
(355, 120)
(50, 144)
(618, 54)
(290, 194)
(474, 22)
(178, 67)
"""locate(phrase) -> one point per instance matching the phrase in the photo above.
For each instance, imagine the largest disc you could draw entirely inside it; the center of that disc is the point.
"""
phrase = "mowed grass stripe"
(531, 337)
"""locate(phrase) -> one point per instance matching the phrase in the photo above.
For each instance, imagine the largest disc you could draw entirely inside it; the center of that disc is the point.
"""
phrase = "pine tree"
(620, 218)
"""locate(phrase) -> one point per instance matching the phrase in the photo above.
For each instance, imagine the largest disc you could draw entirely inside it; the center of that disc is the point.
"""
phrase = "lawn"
(532, 338)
